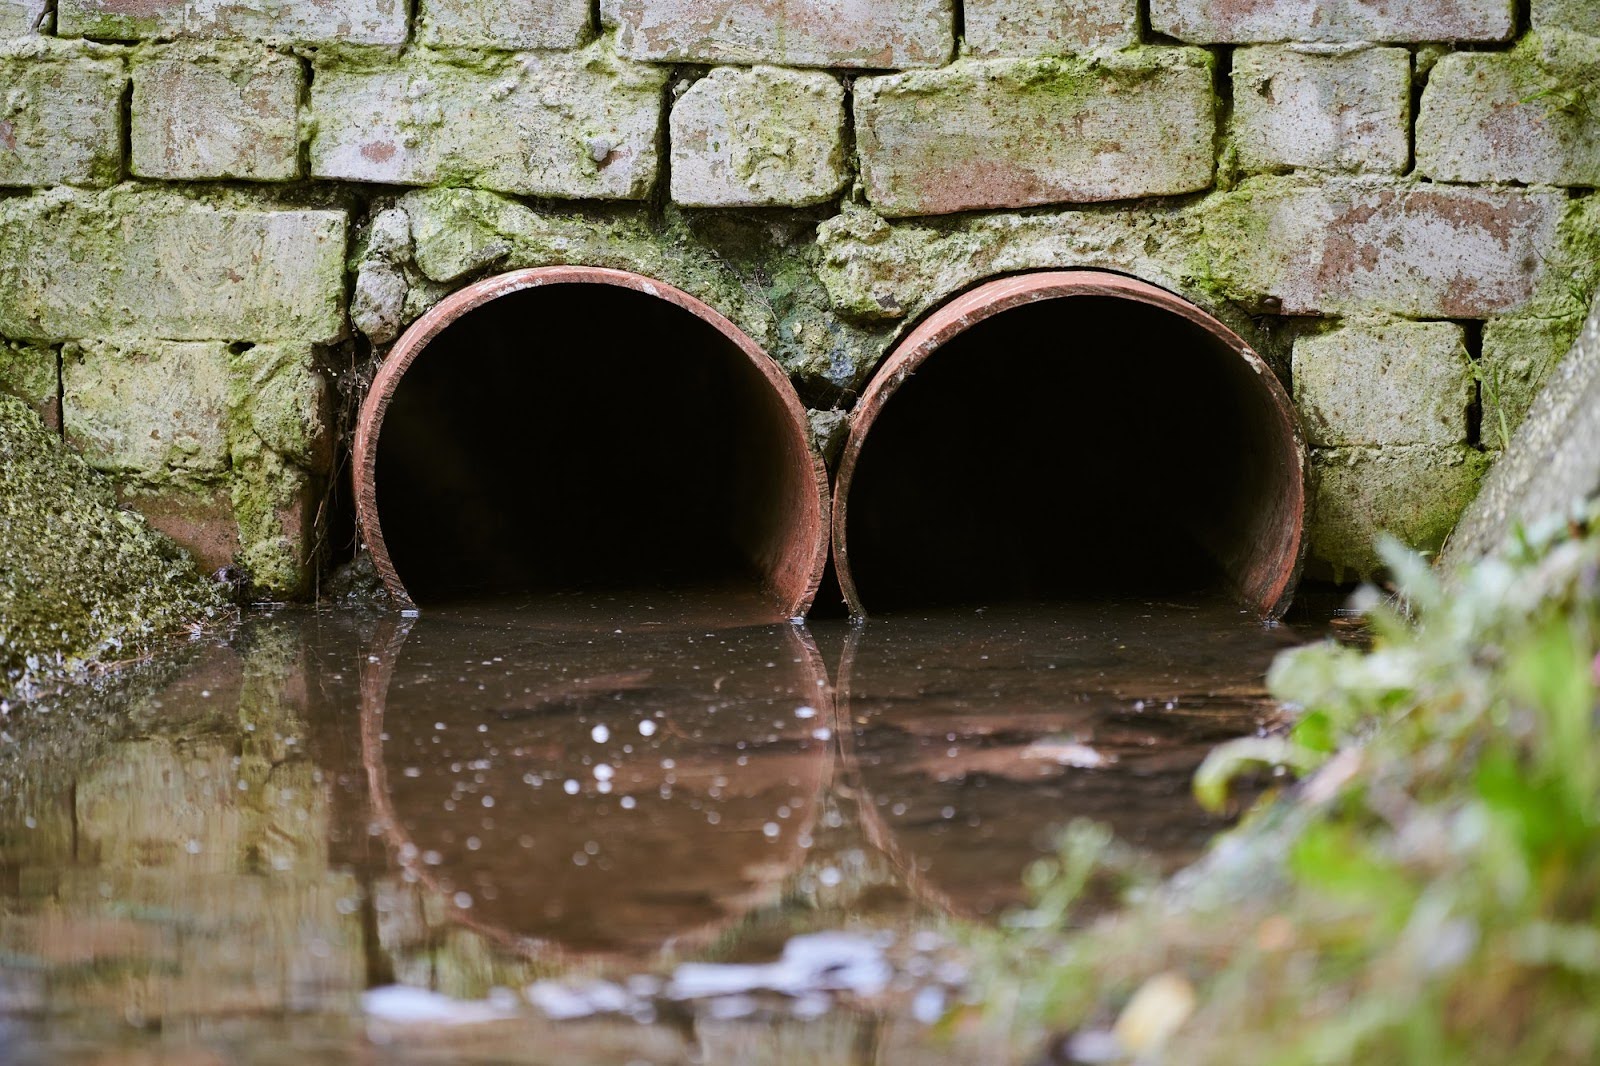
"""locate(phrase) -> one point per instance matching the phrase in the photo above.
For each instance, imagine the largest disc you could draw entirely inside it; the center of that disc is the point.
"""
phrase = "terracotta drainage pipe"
(564, 428)
(1070, 434)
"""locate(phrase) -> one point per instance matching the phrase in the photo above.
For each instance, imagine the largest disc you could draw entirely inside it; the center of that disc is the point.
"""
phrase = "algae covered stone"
(83, 579)
(758, 138)
(1019, 132)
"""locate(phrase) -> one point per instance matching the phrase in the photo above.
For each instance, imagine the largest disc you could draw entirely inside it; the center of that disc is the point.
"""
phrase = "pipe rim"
(988, 299)
(416, 338)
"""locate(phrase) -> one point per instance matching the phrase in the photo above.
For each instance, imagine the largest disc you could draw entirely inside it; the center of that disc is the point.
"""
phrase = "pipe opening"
(576, 429)
(1067, 436)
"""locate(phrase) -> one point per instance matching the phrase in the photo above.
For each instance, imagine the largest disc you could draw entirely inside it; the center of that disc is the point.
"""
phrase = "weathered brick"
(503, 24)
(197, 517)
(1518, 356)
(1270, 21)
(345, 21)
(1297, 106)
(142, 262)
(1011, 133)
(1577, 16)
(1347, 245)
(579, 124)
(1526, 116)
(1384, 382)
(150, 408)
(1413, 493)
(1046, 27)
(281, 449)
(759, 137)
(209, 112)
(60, 115)
(874, 34)
(18, 18)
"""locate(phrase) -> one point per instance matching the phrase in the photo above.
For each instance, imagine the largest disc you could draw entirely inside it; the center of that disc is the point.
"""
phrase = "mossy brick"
(1414, 493)
(1307, 106)
(1019, 132)
(137, 261)
(1273, 21)
(758, 137)
(196, 516)
(1531, 115)
(1046, 27)
(1577, 16)
(1378, 382)
(1345, 245)
(275, 504)
(31, 373)
(503, 24)
(1518, 356)
(60, 116)
(559, 124)
(877, 270)
(211, 111)
(1553, 463)
(278, 394)
(19, 18)
(154, 409)
(870, 34)
(376, 22)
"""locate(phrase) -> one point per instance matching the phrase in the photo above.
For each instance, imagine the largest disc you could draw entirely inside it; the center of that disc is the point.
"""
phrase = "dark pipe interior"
(577, 436)
(1074, 447)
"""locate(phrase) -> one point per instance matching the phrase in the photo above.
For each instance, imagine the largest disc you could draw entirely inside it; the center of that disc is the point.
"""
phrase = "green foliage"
(1430, 890)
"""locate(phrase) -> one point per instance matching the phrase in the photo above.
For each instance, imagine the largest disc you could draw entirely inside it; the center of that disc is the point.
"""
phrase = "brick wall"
(208, 206)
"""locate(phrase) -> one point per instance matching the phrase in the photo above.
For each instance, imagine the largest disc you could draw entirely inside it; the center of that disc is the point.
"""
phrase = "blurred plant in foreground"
(1427, 891)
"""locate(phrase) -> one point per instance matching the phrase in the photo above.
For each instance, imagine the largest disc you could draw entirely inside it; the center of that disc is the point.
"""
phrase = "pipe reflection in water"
(225, 847)
(977, 736)
(599, 790)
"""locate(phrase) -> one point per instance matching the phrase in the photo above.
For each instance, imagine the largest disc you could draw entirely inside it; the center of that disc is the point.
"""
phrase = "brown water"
(210, 857)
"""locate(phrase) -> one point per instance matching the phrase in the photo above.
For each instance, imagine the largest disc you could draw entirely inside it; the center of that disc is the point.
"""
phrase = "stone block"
(1526, 116)
(567, 125)
(758, 137)
(1046, 28)
(1272, 21)
(152, 263)
(153, 409)
(197, 518)
(1013, 133)
(310, 21)
(60, 117)
(1384, 382)
(275, 503)
(1345, 245)
(19, 18)
(1413, 493)
(1518, 356)
(30, 373)
(503, 24)
(210, 112)
(279, 395)
(1297, 107)
(1576, 16)
(1553, 463)
(871, 34)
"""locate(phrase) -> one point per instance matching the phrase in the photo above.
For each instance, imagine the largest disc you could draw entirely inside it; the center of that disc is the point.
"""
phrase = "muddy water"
(211, 857)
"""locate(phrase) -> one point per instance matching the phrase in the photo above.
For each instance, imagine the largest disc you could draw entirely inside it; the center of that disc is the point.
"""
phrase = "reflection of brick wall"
(190, 176)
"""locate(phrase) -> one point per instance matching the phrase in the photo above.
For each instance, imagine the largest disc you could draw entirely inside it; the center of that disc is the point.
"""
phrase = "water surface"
(212, 856)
